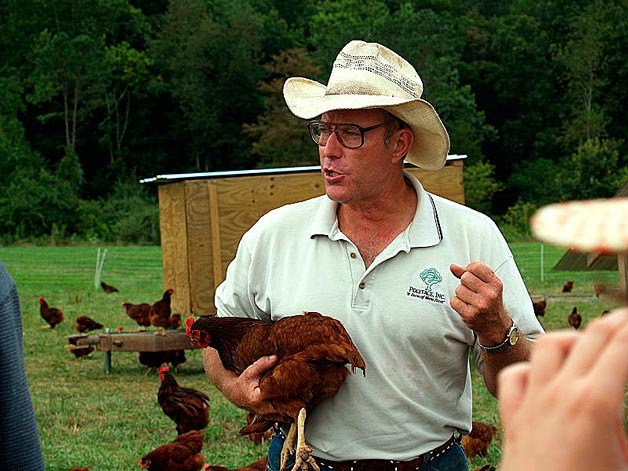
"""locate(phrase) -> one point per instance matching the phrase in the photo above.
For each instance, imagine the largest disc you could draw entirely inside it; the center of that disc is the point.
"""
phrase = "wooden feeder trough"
(133, 342)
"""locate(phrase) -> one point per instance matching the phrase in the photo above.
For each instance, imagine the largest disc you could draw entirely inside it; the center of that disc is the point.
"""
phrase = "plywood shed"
(204, 215)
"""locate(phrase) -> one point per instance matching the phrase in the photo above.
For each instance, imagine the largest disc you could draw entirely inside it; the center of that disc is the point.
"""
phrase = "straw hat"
(599, 226)
(369, 75)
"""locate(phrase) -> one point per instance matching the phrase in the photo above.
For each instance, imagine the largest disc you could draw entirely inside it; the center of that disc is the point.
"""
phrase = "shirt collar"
(424, 230)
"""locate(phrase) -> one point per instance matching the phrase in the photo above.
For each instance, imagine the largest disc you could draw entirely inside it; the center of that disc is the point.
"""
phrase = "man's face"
(357, 176)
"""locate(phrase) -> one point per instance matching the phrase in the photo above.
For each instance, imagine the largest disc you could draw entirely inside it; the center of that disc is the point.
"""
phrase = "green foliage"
(515, 224)
(480, 186)
(534, 89)
(129, 215)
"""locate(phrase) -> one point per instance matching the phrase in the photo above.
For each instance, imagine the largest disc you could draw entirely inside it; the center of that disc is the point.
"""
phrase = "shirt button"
(353, 255)
(362, 285)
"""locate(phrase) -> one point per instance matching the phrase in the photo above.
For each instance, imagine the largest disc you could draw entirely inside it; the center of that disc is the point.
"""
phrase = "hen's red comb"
(188, 325)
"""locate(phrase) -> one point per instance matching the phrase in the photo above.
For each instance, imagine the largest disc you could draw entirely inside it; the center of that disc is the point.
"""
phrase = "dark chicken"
(52, 315)
(574, 319)
(139, 313)
(312, 352)
(108, 288)
(478, 440)
(568, 286)
(187, 407)
(539, 307)
(156, 359)
(85, 324)
(79, 350)
(160, 311)
(182, 454)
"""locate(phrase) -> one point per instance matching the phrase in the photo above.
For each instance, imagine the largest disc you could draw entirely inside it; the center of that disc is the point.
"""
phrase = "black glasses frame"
(332, 129)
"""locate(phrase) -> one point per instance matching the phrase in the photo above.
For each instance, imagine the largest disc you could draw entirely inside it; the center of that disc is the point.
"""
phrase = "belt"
(386, 465)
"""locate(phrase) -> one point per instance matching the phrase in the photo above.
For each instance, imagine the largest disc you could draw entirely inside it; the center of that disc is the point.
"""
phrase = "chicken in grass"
(79, 350)
(159, 314)
(156, 359)
(539, 307)
(599, 289)
(139, 313)
(182, 454)
(574, 319)
(52, 315)
(259, 465)
(86, 323)
(108, 288)
(478, 440)
(568, 286)
(174, 321)
(187, 407)
(312, 351)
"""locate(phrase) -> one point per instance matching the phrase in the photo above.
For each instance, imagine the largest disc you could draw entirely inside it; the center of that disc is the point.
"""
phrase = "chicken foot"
(303, 457)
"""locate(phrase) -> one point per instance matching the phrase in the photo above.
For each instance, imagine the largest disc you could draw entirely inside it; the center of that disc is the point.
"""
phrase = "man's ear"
(401, 143)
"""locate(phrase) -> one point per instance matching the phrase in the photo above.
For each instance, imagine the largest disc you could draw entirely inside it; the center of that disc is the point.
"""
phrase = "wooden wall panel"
(174, 252)
(199, 246)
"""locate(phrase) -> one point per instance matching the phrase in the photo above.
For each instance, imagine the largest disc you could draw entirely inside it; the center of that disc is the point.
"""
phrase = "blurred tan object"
(591, 226)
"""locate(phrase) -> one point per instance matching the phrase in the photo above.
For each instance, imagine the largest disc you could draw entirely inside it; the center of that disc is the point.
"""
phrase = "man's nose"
(333, 147)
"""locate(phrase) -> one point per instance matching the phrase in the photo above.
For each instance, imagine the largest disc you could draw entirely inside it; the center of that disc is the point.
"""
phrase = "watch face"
(514, 336)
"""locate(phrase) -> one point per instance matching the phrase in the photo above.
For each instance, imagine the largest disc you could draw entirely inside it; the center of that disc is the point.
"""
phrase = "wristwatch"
(512, 337)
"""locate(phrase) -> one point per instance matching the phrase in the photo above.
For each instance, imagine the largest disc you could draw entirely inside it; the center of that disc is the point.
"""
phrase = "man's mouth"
(330, 173)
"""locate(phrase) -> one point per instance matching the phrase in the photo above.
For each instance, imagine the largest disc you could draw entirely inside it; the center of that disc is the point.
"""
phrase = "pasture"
(87, 417)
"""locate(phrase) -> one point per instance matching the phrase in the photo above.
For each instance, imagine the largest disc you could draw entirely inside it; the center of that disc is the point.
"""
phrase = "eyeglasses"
(349, 135)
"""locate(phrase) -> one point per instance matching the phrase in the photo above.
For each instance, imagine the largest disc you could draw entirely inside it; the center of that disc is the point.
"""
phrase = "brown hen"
(312, 352)
(574, 319)
(85, 324)
(182, 454)
(478, 440)
(108, 288)
(160, 311)
(568, 286)
(52, 315)
(187, 407)
(539, 307)
(139, 313)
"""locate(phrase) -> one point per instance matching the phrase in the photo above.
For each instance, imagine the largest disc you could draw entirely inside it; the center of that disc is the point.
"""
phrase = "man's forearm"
(494, 362)
(217, 374)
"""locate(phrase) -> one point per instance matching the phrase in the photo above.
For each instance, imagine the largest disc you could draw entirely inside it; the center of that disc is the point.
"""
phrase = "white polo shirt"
(417, 389)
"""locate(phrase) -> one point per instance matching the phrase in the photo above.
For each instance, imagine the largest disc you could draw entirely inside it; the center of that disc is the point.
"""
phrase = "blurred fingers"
(549, 355)
(512, 384)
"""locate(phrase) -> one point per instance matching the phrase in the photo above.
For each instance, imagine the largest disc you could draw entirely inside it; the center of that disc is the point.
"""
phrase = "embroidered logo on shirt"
(430, 277)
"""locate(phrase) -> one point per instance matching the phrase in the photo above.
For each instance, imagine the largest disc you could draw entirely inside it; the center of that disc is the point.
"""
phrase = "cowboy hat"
(369, 75)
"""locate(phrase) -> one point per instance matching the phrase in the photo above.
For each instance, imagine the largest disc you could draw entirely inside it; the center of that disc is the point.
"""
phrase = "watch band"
(512, 336)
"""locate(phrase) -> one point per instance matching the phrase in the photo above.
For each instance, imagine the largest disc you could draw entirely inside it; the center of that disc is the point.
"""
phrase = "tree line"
(97, 94)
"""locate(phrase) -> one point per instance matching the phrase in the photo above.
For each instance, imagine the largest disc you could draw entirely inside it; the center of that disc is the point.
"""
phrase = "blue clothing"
(20, 449)
(453, 459)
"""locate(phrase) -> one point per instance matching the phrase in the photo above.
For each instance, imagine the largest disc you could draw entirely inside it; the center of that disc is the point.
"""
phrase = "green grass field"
(110, 420)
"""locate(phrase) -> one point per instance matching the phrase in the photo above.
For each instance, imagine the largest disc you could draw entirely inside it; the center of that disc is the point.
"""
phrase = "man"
(416, 279)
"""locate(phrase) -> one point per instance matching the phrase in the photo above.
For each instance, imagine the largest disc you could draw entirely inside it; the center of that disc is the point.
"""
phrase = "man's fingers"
(594, 339)
(259, 367)
(457, 270)
(512, 384)
(611, 368)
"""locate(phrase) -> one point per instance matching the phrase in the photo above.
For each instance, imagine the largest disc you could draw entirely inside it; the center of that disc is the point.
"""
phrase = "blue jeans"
(453, 459)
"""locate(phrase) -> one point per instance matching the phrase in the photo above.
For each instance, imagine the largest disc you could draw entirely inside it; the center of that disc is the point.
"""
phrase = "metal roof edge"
(172, 177)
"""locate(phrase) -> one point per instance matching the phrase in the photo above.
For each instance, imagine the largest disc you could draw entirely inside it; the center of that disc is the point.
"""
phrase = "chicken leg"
(302, 456)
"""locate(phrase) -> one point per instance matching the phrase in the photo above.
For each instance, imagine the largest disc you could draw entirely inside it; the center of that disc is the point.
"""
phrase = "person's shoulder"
(6, 282)
(459, 212)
